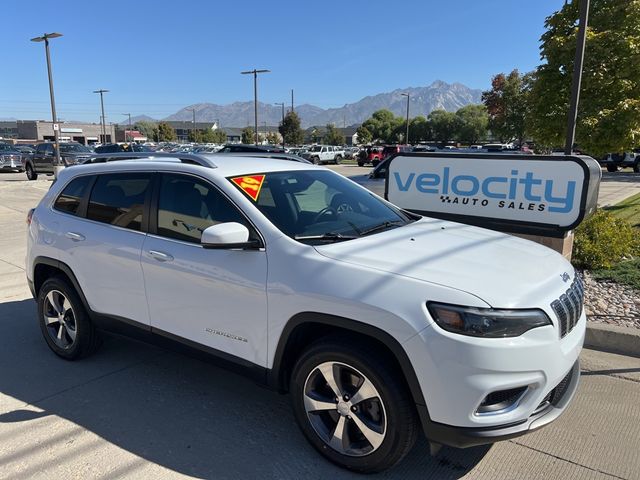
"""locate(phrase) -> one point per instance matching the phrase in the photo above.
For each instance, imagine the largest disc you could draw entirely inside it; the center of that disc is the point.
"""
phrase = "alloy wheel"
(345, 409)
(59, 319)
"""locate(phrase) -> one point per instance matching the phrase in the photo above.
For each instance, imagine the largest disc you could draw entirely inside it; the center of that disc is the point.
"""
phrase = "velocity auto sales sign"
(544, 195)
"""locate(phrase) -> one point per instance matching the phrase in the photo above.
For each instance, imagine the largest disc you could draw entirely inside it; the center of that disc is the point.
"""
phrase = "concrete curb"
(613, 339)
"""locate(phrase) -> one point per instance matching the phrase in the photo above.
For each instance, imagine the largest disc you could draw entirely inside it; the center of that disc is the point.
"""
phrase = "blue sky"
(158, 56)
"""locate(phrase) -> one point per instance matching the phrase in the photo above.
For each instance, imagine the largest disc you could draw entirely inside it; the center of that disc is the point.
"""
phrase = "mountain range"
(423, 100)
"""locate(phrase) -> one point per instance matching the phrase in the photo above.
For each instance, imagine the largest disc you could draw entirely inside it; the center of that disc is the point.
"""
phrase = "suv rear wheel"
(352, 407)
(64, 322)
(31, 174)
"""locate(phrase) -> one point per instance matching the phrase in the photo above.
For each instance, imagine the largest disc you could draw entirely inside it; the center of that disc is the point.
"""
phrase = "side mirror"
(227, 235)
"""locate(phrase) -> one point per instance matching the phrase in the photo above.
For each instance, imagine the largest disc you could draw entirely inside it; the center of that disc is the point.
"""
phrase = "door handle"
(160, 256)
(76, 237)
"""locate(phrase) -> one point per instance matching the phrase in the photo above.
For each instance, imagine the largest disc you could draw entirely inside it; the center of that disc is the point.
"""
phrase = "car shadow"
(173, 410)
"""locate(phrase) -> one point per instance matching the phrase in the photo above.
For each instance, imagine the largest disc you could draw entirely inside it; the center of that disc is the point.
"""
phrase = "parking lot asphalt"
(135, 411)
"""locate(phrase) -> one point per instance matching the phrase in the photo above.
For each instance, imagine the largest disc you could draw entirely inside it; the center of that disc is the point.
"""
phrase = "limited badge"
(251, 185)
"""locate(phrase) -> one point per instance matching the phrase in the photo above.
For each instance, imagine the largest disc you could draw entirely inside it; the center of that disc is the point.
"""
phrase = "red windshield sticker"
(250, 185)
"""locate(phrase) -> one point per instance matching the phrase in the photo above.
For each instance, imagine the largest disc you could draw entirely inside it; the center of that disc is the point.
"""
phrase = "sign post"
(540, 197)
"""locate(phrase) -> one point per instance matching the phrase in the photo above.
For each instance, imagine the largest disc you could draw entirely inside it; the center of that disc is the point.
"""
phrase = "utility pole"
(406, 138)
(255, 73)
(56, 128)
(125, 137)
(104, 120)
(577, 77)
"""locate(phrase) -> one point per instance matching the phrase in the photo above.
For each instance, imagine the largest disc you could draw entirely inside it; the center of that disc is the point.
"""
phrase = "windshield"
(73, 147)
(317, 207)
(317, 148)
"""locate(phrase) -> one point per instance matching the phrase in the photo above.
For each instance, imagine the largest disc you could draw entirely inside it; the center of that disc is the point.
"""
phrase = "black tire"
(636, 167)
(612, 168)
(361, 164)
(86, 339)
(315, 160)
(31, 174)
(338, 159)
(398, 411)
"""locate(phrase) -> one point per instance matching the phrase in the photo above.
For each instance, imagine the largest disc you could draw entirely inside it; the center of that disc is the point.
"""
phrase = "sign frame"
(588, 199)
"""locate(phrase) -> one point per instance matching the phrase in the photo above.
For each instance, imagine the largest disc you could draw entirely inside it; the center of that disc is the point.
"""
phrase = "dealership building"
(40, 130)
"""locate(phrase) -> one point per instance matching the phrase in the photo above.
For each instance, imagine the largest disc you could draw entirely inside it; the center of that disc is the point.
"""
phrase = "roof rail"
(190, 158)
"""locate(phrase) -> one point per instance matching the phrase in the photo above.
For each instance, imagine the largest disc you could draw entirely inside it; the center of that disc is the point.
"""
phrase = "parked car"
(10, 158)
(351, 153)
(376, 321)
(370, 154)
(42, 161)
(320, 154)
(121, 147)
(615, 161)
(239, 148)
(389, 150)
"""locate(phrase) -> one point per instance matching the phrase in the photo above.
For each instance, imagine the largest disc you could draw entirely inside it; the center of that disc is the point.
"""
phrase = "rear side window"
(118, 199)
(70, 198)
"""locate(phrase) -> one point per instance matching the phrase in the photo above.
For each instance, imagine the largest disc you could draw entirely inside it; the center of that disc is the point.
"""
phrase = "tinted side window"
(187, 206)
(69, 199)
(40, 148)
(118, 199)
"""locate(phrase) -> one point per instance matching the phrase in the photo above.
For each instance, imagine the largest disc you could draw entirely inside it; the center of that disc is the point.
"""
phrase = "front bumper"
(545, 413)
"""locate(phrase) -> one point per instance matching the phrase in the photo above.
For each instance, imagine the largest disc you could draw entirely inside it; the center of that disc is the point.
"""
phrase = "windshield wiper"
(325, 237)
(382, 226)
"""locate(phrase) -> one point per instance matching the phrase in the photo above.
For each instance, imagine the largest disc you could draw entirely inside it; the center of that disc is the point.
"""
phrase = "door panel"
(213, 297)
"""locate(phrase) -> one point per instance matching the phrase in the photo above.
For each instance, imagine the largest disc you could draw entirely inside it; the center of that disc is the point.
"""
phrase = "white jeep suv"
(376, 321)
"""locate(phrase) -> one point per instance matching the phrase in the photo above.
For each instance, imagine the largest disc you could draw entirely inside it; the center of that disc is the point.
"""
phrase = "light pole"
(406, 138)
(577, 77)
(125, 136)
(292, 99)
(255, 73)
(56, 128)
(282, 105)
(104, 120)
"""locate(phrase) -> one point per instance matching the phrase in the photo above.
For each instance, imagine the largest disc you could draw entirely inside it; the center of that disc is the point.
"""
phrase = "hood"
(503, 270)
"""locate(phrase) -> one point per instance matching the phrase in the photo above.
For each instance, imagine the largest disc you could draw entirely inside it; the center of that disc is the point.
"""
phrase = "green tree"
(248, 135)
(609, 109)
(364, 135)
(148, 129)
(273, 138)
(166, 133)
(333, 136)
(384, 126)
(444, 125)
(290, 129)
(419, 129)
(195, 136)
(213, 136)
(472, 122)
(507, 103)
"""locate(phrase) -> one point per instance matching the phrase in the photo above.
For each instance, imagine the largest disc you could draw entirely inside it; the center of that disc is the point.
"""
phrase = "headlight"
(486, 322)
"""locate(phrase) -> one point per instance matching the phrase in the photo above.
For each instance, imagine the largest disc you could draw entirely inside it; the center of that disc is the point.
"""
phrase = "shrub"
(603, 240)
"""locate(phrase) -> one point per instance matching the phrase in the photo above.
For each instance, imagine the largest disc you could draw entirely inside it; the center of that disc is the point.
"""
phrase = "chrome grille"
(568, 307)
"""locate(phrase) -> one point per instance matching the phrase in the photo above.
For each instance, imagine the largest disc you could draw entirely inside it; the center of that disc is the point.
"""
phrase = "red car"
(389, 150)
(371, 155)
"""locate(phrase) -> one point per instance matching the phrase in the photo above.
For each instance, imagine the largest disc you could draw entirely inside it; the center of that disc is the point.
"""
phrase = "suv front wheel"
(31, 174)
(352, 406)
(64, 322)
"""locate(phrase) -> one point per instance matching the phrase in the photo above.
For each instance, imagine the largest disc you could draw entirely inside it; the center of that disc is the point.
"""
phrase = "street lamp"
(406, 138)
(255, 73)
(282, 105)
(45, 38)
(104, 120)
(125, 136)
